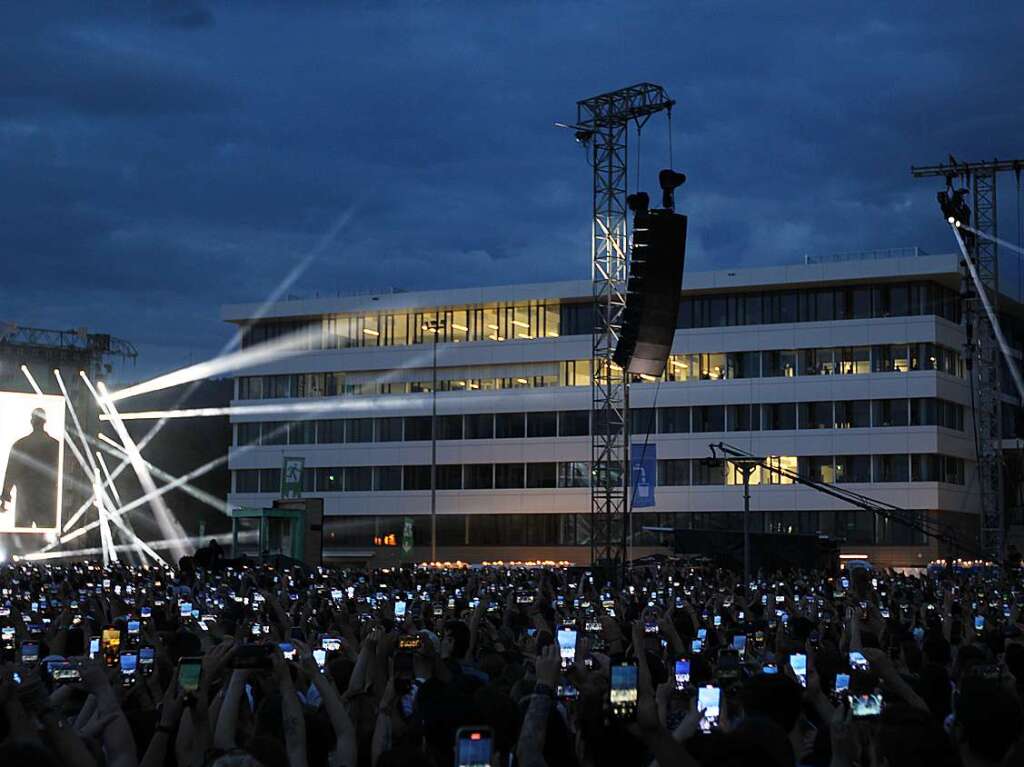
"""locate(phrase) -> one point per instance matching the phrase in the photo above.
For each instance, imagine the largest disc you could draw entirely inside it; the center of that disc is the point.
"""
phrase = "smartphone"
(185, 609)
(695, 646)
(320, 656)
(798, 662)
(474, 747)
(333, 643)
(64, 672)
(133, 628)
(189, 672)
(739, 644)
(842, 683)
(565, 691)
(129, 665)
(29, 652)
(147, 612)
(865, 705)
(979, 622)
(682, 673)
(287, 649)
(399, 609)
(709, 699)
(110, 646)
(94, 648)
(567, 645)
(728, 665)
(858, 662)
(252, 656)
(769, 668)
(623, 695)
(414, 642)
(147, 657)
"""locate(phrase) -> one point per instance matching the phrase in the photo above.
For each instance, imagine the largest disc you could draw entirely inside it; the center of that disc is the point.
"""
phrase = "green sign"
(291, 478)
(407, 537)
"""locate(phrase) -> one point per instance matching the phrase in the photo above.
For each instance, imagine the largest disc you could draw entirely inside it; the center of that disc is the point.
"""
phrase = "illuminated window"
(787, 463)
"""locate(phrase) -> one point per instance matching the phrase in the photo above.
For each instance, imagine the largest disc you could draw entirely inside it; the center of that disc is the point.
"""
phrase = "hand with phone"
(474, 747)
(548, 666)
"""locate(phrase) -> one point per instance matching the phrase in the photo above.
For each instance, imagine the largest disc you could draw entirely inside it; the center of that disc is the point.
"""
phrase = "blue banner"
(643, 461)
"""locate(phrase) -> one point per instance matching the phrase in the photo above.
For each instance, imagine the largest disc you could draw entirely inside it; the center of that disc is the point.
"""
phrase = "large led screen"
(31, 462)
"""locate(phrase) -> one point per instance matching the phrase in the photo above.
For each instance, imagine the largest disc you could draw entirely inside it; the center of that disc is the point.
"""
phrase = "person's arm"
(357, 680)
(845, 743)
(201, 736)
(530, 749)
(86, 713)
(668, 628)
(118, 741)
(291, 712)
(63, 739)
(383, 728)
(667, 751)
(344, 730)
(474, 626)
(170, 716)
(18, 719)
(881, 663)
(814, 695)
(227, 720)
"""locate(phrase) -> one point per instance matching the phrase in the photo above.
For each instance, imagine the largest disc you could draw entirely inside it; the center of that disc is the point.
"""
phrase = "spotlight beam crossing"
(236, 340)
(165, 520)
(199, 494)
(144, 499)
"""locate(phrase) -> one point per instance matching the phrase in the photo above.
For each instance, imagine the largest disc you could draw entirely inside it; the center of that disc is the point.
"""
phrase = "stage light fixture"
(670, 180)
(639, 202)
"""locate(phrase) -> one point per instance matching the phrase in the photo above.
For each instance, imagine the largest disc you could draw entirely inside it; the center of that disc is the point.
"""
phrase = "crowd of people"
(232, 664)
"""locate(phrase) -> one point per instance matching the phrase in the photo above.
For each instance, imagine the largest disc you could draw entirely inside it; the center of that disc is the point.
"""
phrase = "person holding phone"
(548, 668)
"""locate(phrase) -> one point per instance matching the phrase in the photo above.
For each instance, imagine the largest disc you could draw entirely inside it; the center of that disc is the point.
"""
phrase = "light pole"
(433, 326)
(746, 467)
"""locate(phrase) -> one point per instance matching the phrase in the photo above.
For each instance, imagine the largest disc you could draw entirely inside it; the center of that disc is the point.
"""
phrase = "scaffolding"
(982, 351)
(603, 127)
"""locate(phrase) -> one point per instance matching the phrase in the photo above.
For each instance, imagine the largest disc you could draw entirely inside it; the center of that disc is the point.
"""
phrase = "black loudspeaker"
(653, 292)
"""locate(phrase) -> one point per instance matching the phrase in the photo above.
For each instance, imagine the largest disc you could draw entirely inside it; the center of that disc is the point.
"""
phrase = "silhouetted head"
(38, 419)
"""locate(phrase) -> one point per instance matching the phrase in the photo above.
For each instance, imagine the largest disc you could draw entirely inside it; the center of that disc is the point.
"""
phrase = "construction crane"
(979, 180)
(61, 345)
(602, 126)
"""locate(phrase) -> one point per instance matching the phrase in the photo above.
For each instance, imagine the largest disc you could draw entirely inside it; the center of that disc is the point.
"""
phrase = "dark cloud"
(159, 160)
(184, 15)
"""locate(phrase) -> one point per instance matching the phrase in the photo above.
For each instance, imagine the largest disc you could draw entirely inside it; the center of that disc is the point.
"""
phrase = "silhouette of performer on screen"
(32, 468)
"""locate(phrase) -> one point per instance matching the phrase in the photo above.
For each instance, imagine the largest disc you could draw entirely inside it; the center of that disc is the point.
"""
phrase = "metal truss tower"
(983, 351)
(603, 126)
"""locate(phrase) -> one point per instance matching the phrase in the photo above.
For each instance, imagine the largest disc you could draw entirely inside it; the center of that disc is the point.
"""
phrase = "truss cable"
(637, 187)
(670, 137)
(1020, 239)
(1004, 347)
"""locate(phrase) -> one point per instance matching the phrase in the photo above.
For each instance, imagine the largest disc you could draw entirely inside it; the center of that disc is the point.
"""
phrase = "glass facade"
(674, 472)
(854, 527)
(552, 318)
(778, 416)
(855, 360)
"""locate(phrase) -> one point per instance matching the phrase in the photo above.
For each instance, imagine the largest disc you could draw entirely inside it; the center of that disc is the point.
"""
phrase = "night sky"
(160, 159)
